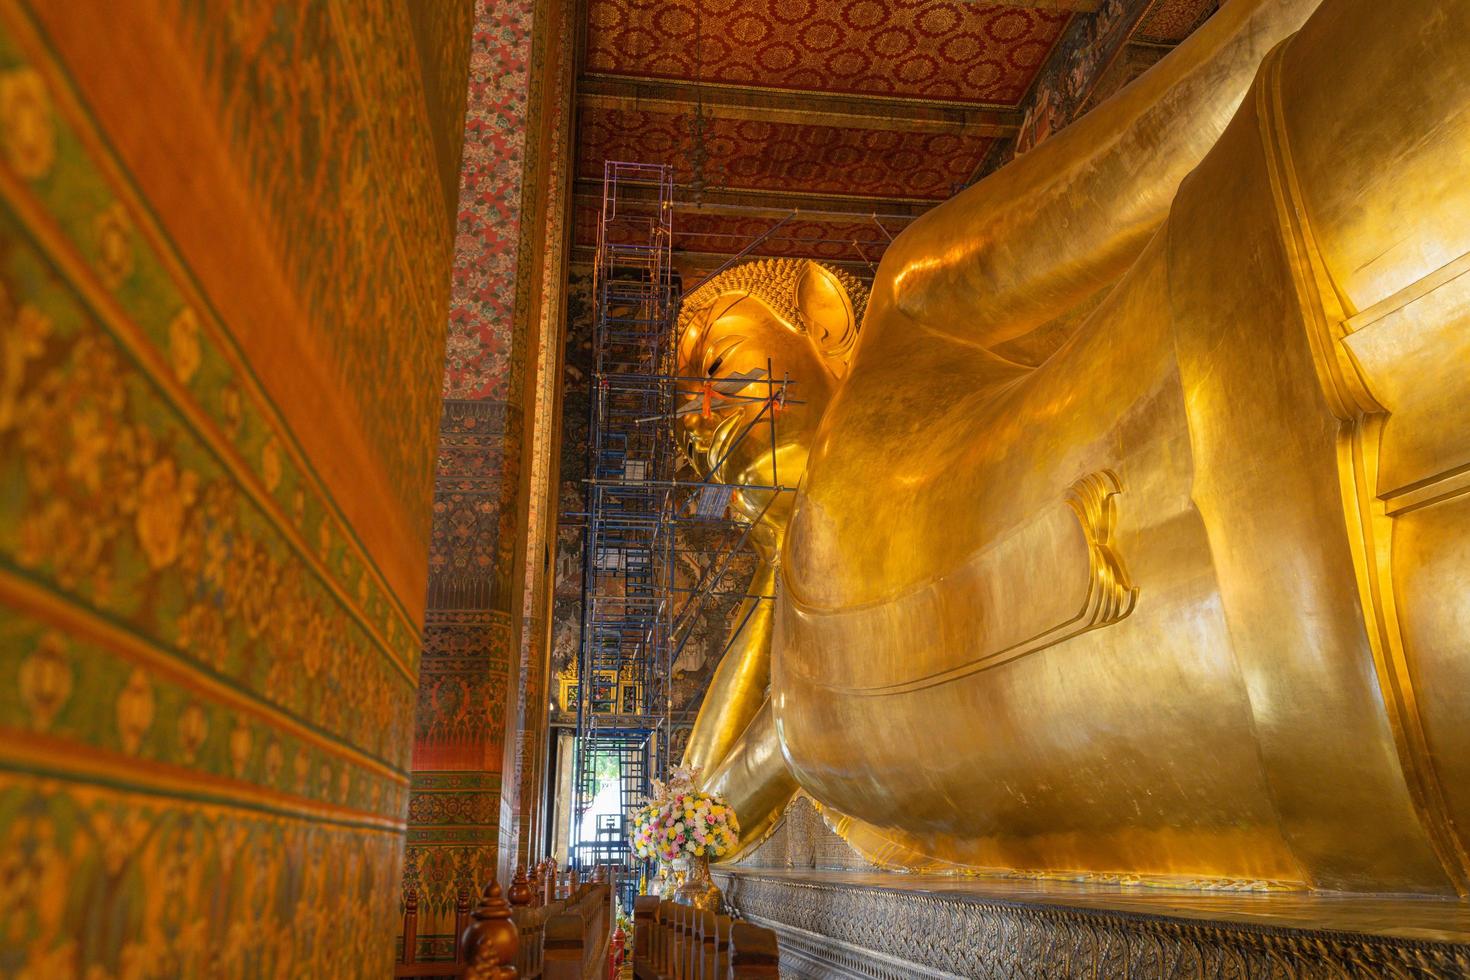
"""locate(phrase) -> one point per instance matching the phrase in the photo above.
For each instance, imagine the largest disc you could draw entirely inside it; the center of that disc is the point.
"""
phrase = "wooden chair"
(675, 942)
(753, 953)
(645, 931)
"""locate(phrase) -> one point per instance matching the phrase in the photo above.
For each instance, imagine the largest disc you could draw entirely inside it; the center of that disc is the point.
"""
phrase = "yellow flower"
(231, 408)
(114, 233)
(163, 499)
(46, 680)
(27, 127)
(240, 741)
(193, 729)
(21, 340)
(135, 710)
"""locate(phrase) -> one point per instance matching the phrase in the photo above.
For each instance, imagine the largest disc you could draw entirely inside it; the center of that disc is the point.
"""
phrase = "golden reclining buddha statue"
(1132, 539)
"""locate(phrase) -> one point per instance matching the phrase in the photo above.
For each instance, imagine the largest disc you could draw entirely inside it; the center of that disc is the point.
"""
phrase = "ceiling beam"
(597, 91)
(586, 255)
(768, 204)
(1076, 6)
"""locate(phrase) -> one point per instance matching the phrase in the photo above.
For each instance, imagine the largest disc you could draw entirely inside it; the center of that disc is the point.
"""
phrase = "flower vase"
(699, 889)
(670, 879)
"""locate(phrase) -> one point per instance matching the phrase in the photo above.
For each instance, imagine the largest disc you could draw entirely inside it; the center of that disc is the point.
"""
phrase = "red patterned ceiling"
(1174, 20)
(807, 102)
(955, 50)
(747, 154)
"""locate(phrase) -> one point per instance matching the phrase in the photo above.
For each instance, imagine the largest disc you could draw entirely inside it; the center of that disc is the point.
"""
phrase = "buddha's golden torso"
(1134, 541)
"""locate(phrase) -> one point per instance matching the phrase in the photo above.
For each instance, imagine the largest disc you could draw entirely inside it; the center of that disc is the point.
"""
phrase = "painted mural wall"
(226, 230)
(478, 733)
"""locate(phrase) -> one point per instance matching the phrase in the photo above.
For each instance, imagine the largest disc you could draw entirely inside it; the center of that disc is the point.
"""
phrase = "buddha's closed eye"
(716, 355)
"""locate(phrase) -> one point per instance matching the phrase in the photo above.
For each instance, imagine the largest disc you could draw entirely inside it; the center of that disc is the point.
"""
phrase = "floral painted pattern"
(323, 105)
(482, 297)
(206, 684)
(112, 885)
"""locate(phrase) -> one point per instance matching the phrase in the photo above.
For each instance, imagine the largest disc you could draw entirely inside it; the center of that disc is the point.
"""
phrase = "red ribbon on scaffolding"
(777, 402)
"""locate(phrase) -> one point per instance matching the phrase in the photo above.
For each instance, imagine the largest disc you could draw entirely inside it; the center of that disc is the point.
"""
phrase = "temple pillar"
(528, 726)
(479, 658)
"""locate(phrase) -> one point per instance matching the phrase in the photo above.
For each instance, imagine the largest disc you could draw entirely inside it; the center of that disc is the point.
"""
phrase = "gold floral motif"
(23, 334)
(314, 645)
(232, 409)
(202, 634)
(89, 449)
(163, 498)
(119, 833)
(27, 129)
(114, 500)
(184, 349)
(46, 680)
(33, 877)
(114, 234)
(240, 743)
(135, 711)
(193, 730)
(270, 465)
(157, 870)
(250, 586)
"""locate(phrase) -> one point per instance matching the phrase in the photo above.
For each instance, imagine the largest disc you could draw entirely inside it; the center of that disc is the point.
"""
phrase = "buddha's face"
(729, 434)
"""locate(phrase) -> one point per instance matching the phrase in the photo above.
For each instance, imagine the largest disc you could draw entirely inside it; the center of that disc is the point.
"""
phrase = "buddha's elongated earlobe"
(825, 300)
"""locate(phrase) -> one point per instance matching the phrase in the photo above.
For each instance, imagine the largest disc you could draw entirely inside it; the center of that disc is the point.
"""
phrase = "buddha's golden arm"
(753, 778)
(1017, 250)
(738, 688)
(1033, 240)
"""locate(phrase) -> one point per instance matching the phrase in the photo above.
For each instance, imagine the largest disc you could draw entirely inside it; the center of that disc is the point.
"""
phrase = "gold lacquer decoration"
(1110, 593)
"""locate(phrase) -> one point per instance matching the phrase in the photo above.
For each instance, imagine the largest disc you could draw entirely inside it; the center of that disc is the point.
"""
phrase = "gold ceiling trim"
(710, 88)
(796, 108)
(782, 201)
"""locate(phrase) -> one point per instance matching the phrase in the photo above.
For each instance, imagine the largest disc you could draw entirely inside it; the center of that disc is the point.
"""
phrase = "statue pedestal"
(885, 925)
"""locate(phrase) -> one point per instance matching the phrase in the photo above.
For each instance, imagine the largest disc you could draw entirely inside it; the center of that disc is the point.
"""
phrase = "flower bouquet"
(681, 823)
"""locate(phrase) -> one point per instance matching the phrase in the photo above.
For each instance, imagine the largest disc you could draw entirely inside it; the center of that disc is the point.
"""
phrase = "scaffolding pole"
(644, 512)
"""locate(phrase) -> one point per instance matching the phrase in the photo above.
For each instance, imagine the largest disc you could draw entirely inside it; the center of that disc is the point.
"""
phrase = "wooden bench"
(676, 942)
(554, 928)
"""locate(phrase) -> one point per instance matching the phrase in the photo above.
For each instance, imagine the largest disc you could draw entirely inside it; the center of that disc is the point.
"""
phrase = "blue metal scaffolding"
(647, 514)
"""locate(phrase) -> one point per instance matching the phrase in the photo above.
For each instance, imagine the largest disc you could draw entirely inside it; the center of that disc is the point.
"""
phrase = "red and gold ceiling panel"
(1174, 20)
(843, 241)
(755, 155)
(953, 50)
